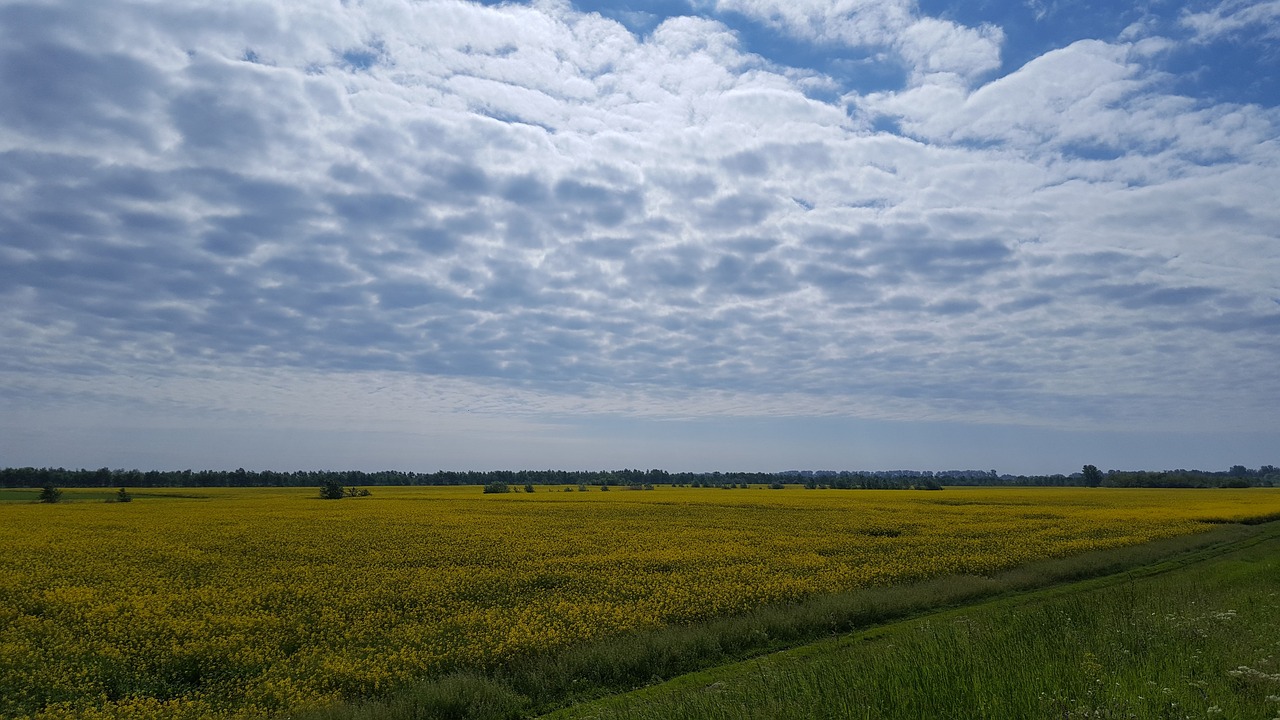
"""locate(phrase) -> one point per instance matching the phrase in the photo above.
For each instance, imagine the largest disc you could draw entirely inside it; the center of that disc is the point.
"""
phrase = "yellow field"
(247, 602)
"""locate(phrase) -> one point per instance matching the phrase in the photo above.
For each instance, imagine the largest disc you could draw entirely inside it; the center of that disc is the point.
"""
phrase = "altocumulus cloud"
(287, 213)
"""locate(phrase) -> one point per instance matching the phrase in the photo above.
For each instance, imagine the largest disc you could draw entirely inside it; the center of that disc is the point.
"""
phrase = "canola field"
(249, 603)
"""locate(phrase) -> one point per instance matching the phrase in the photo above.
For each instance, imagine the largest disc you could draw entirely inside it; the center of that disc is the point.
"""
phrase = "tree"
(50, 494)
(332, 489)
(1092, 476)
(123, 495)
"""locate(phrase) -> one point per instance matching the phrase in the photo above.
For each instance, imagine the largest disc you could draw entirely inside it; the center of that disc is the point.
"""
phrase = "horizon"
(790, 472)
(694, 233)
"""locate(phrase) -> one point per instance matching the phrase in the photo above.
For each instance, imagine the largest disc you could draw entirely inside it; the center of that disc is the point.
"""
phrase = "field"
(250, 603)
(1200, 641)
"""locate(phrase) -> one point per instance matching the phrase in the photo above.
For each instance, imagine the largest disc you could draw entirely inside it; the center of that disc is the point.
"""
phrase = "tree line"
(1237, 476)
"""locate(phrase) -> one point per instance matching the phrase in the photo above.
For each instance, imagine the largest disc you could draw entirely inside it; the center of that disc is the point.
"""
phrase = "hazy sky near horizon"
(1019, 235)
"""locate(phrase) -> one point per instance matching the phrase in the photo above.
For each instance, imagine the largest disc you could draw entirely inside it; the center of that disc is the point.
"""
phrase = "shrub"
(332, 490)
(50, 494)
(528, 487)
(497, 487)
(123, 495)
(776, 486)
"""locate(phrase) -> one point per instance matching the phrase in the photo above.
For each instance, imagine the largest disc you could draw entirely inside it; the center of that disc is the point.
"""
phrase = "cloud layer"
(536, 210)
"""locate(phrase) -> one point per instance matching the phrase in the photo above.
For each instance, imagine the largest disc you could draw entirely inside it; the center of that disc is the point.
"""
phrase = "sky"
(1020, 235)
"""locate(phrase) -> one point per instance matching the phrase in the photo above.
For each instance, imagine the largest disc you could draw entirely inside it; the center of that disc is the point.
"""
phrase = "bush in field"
(50, 494)
(528, 487)
(497, 487)
(123, 495)
(332, 490)
(776, 486)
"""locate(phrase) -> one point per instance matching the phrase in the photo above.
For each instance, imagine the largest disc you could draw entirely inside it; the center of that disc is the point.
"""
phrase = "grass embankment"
(1175, 640)
(1023, 657)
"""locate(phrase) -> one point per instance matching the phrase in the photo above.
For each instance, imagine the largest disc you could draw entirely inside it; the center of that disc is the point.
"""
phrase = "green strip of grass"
(542, 683)
(1179, 639)
(18, 495)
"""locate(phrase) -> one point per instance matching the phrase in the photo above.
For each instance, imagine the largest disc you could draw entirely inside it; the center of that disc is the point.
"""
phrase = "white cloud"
(851, 22)
(1234, 16)
(530, 209)
(927, 45)
(938, 46)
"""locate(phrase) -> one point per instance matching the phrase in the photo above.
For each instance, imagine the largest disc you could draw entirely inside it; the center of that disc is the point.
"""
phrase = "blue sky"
(704, 235)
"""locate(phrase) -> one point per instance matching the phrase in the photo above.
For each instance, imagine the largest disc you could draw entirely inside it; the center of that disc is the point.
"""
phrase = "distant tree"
(50, 494)
(123, 495)
(528, 487)
(1092, 476)
(1238, 471)
(331, 489)
(497, 487)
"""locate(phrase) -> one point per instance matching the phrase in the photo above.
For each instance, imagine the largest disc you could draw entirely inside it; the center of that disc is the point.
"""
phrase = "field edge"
(1177, 555)
(579, 679)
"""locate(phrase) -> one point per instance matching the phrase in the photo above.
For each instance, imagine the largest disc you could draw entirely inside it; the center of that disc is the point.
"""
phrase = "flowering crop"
(246, 603)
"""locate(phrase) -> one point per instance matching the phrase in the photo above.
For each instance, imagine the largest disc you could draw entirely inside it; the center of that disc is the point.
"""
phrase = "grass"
(819, 680)
(76, 495)
(1177, 640)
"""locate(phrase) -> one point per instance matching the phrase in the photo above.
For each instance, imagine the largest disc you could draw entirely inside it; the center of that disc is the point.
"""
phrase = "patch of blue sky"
(639, 17)
(1094, 151)
(1240, 70)
(1236, 69)
(862, 70)
(854, 69)
(1034, 27)
(364, 58)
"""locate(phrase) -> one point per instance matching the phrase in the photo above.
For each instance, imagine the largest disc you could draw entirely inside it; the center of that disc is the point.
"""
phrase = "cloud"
(546, 213)
(1233, 18)
(927, 45)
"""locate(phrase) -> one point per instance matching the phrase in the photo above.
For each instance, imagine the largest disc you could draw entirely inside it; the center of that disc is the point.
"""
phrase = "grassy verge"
(71, 495)
(1178, 640)
(542, 683)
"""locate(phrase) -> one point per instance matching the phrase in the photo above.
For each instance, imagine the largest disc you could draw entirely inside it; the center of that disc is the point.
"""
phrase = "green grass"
(75, 495)
(880, 673)
(1179, 640)
(19, 495)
